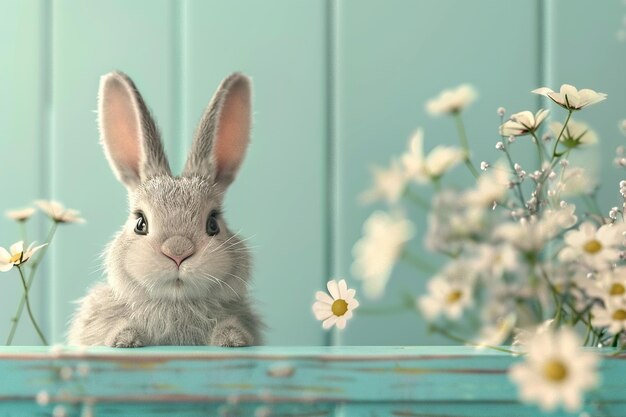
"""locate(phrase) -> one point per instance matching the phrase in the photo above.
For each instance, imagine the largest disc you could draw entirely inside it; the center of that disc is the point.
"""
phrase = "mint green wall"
(339, 85)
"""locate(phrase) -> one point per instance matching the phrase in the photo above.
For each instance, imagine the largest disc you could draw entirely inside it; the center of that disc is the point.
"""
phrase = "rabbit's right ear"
(130, 137)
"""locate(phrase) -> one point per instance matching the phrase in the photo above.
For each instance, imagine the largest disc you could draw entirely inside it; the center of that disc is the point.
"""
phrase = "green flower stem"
(415, 198)
(444, 332)
(23, 230)
(418, 262)
(518, 186)
(465, 144)
(35, 264)
(541, 151)
(30, 312)
(556, 142)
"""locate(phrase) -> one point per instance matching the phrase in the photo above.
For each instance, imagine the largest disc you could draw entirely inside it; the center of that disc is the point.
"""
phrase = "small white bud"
(66, 373)
(622, 183)
(501, 111)
(564, 163)
(59, 411)
(42, 398)
(517, 167)
(500, 146)
(563, 204)
(484, 165)
(551, 193)
(552, 175)
(590, 275)
(511, 139)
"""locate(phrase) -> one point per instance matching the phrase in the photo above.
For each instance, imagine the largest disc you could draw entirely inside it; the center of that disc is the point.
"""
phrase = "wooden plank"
(391, 57)
(442, 381)
(592, 56)
(90, 40)
(22, 143)
(279, 198)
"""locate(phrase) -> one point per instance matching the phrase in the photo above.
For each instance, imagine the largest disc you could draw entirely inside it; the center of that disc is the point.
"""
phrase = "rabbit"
(176, 275)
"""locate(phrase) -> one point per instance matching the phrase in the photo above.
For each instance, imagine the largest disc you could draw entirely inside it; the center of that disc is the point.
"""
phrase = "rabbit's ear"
(222, 137)
(128, 133)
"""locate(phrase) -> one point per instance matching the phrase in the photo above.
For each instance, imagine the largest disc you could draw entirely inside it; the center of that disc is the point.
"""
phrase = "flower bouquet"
(533, 266)
(26, 261)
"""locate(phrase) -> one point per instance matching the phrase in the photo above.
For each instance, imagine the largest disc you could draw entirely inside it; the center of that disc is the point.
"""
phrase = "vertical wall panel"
(591, 55)
(392, 56)
(278, 200)
(21, 121)
(91, 38)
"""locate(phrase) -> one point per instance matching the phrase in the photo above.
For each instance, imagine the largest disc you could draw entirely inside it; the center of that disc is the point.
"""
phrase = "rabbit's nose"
(178, 248)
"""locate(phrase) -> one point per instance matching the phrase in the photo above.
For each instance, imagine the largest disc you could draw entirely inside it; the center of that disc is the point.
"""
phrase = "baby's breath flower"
(500, 146)
(20, 215)
(555, 371)
(451, 101)
(501, 111)
(58, 213)
(571, 98)
(484, 165)
(16, 255)
(335, 309)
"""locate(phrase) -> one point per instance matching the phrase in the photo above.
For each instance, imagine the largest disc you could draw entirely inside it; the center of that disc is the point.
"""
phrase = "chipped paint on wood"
(395, 381)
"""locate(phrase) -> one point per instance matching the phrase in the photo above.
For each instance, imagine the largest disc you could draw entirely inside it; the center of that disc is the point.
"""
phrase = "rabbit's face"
(176, 244)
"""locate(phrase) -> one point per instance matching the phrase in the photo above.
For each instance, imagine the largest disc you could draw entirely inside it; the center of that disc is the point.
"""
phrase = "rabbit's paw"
(230, 336)
(127, 338)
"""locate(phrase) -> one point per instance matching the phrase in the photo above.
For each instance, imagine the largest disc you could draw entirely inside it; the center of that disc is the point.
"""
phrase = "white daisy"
(20, 215)
(57, 212)
(451, 101)
(491, 187)
(523, 123)
(527, 235)
(424, 169)
(384, 237)
(612, 316)
(595, 247)
(449, 293)
(16, 255)
(609, 285)
(575, 181)
(495, 260)
(571, 98)
(575, 133)
(336, 308)
(389, 184)
(496, 333)
(556, 371)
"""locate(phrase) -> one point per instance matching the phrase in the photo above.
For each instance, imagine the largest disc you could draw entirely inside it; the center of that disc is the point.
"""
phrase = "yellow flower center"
(617, 289)
(339, 307)
(619, 315)
(454, 296)
(555, 370)
(15, 259)
(592, 247)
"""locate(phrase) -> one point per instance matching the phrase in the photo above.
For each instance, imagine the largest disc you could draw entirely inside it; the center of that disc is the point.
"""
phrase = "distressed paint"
(394, 381)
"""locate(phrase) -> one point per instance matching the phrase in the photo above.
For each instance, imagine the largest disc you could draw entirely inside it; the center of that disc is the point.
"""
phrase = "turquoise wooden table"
(276, 381)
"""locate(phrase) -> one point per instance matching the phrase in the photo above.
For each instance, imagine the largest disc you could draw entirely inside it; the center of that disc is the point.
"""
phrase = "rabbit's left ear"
(222, 137)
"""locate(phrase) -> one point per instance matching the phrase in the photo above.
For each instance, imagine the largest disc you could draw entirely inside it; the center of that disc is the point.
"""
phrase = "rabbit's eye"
(212, 226)
(141, 227)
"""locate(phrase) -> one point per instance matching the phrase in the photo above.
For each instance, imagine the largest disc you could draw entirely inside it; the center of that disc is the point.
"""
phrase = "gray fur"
(148, 299)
